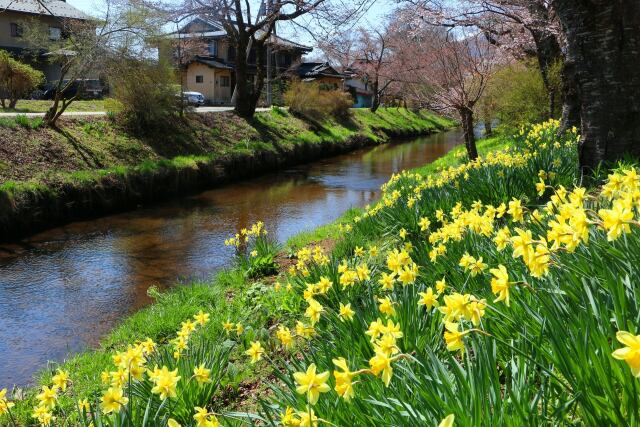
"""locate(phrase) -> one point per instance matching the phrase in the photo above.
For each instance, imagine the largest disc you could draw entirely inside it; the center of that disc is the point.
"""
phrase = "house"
(359, 88)
(320, 72)
(208, 58)
(16, 14)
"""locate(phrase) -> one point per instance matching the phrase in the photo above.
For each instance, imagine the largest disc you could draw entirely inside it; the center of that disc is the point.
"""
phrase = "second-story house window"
(16, 30)
(213, 47)
(55, 33)
(231, 54)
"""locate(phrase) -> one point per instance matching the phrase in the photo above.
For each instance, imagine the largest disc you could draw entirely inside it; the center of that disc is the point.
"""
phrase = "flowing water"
(61, 290)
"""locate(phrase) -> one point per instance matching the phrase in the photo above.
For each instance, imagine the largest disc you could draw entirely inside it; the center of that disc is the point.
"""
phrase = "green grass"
(41, 106)
(87, 150)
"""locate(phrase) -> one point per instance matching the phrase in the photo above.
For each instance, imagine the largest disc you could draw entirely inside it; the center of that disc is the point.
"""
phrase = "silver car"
(193, 98)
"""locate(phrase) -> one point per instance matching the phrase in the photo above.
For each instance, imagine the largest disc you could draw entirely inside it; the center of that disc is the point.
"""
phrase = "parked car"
(83, 88)
(193, 98)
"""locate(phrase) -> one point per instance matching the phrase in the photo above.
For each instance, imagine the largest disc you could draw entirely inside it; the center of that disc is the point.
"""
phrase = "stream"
(63, 289)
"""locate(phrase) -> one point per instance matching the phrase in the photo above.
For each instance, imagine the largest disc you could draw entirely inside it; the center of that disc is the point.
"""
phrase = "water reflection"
(62, 289)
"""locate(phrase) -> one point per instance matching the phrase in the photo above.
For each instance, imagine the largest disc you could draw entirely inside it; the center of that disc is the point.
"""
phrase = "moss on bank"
(92, 166)
(229, 295)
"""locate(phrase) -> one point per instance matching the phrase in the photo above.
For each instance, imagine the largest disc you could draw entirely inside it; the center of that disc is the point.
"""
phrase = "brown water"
(61, 290)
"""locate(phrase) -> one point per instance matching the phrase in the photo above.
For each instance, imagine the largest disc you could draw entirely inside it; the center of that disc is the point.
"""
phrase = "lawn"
(41, 106)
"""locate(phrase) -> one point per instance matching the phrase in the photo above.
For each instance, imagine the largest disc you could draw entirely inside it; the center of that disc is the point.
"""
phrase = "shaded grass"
(41, 106)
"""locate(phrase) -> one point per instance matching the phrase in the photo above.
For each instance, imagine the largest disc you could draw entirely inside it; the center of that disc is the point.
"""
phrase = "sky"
(375, 15)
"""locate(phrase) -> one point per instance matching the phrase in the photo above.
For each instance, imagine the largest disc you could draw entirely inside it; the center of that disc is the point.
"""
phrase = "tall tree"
(603, 52)
(251, 26)
(454, 69)
(84, 45)
(521, 27)
(370, 54)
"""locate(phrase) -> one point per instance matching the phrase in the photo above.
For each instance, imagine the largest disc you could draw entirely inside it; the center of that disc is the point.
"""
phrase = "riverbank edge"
(227, 295)
(24, 212)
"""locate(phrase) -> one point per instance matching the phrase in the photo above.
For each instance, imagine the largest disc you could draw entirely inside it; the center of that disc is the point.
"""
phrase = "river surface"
(61, 290)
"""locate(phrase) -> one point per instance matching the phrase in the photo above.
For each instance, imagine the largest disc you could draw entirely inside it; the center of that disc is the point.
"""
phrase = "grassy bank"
(95, 166)
(40, 106)
(493, 292)
(231, 295)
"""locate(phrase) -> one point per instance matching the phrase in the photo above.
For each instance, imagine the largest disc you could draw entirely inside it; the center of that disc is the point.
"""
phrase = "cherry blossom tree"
(370, 55)
(448, 70)
(523, 28)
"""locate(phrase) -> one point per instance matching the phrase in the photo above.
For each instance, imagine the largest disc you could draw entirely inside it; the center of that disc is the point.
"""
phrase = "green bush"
(144, 94)
(516, 96)
(310, 101)
(17, 80)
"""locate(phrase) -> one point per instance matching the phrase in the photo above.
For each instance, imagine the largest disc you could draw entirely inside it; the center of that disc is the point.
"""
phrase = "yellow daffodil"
(255, 351)
(616, 220)
(48, 396)
(387, 281)
(381, 365)
(424, 224)
(284, 335)
(289, 418)
(453, 337)
(344, 379)
(630, 353)
(83, 405)
(202, 375)
(165, 382)
(113, 399)
(307, 418)
(311, 383)
(428, 299)
(408, 274)
(313, 311)
(201, 318)
(5, 405)
(402, 233)
(447, 421)
(373, 251)
(345, 312)
(386, 306)
(60, 380)
(43, 415)
(227, 326)
(500, 284)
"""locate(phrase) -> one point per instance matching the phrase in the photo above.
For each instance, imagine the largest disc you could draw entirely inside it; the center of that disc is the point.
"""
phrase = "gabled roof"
(307, 70)
(213, 63)
(58, 8)
(215, 30)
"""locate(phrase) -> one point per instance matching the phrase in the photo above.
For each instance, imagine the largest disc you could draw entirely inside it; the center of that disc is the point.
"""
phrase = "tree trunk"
(243, 90)
(375, 102)
(603, 41)
(548, 50)
(487, 127)
(466, 117)
(571, 99)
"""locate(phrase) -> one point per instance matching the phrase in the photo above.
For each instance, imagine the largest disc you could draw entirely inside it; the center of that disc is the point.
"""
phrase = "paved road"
(104, 113)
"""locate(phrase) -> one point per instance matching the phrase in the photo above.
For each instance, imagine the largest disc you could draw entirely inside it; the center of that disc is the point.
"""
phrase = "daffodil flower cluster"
(244, 236)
